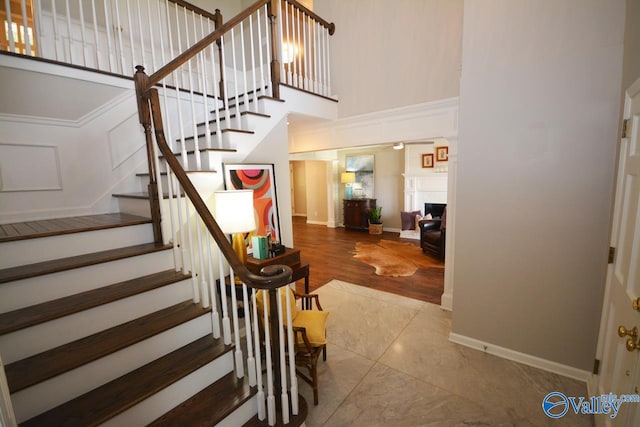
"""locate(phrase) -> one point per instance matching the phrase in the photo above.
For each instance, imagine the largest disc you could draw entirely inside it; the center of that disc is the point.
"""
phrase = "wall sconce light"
(348, 178)
(289, 52)
(398, 145)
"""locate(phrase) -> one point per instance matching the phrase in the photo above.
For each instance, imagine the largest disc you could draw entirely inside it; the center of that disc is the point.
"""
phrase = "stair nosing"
(203, 135)
(68, 263)
(50, 310)
(229, 385)
(118, 337)
(98, 408)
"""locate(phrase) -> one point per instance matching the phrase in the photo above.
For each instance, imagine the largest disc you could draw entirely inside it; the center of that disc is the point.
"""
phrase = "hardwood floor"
(329, 251)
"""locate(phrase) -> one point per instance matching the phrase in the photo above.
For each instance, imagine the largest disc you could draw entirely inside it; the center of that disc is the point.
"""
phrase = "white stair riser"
(229, 140)
(36, 339)
(131, 206)
(241, 415)
(35, 290)
(210, 160)
(48, 248)
(158, 404)
(55, 391)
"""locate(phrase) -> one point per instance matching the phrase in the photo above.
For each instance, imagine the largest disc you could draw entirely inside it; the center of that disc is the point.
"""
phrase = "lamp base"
(348, 192)
(240, 248)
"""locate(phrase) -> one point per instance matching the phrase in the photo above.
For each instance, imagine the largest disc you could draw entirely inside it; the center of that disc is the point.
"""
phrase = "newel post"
(218, 24)
(272, 10)
(144, 115)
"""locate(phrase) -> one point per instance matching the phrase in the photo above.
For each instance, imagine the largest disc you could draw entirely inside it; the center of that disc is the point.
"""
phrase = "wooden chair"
(309, 328)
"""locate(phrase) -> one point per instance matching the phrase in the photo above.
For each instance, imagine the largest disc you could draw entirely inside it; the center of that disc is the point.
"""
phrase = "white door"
(620, 373)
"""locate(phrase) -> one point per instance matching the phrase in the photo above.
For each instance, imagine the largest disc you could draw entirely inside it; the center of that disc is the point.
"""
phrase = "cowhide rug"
(393, 258)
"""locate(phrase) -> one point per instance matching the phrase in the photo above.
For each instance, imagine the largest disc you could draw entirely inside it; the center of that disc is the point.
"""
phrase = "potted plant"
(375, 220)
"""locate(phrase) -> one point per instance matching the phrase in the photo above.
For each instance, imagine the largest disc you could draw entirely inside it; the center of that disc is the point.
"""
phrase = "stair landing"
(58, 226)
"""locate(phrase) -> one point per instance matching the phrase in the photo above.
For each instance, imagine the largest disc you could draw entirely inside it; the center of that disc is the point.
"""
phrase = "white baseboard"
(391, 230)
(446, 301)
(317, 222)
(526, 359)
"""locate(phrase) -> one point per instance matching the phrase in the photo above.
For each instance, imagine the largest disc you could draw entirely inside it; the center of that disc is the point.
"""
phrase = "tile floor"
(389, 363)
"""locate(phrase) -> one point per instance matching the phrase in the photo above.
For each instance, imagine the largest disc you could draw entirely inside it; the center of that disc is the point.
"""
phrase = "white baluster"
(283, 363)
(56, 33)
(216, 95)
(152, 40)
(268, 49)
(226, 323)
(253, 65)
(202, 67)
(292, 358)
(108, 25)
(263, 82)
(181, 231)
(279, 53)
(328, 58)
(96, 34)
(236, 327)
(225, 92)
(12, 43)
(39, 35)
(307, 49)
(289, 45)
(69, 32)
(271, 399)
(171, 182)
(25, 25)
(251, 361)
(194, 119)
(236, 93)
(215, 315)
(316, 61)
(244, 74)
(84, 35)
(120, 44)
(260, 394)
(204, 287)
(299, 80)
(141, 33)
(191, 249)
(130, 27)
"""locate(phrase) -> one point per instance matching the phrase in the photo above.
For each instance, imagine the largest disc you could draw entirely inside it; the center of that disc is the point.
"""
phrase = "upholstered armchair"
(309, 329)
(433, 235)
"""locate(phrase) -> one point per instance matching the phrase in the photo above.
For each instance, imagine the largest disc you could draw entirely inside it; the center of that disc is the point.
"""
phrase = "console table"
(290, 258)
(356, 213)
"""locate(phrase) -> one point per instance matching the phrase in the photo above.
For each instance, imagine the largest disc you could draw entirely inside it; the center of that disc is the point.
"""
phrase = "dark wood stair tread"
(144, 174)
(202, 150)
(27, 372)
(213, 132)
(211, 405)
(115, 397)
(67, 225)
(50, 310)
(63, 264)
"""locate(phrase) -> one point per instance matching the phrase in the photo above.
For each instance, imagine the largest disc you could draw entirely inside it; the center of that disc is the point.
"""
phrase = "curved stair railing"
(220, 78)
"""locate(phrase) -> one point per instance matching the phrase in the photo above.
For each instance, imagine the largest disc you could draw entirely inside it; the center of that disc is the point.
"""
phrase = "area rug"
(393, 258)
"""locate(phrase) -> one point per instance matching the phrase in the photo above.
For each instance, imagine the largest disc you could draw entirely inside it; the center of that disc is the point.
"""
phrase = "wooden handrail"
(194, 8)
(302, 8)
(185, 56)
(176, 62)
(271, 277)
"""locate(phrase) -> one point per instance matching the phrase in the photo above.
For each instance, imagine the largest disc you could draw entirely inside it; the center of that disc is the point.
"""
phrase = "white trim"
(317, 222)
(516, 356)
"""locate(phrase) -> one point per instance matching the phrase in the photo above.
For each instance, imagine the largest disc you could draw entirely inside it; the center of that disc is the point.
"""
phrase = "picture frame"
(362, 166)
(427, 160)
(259, 177)
(442, 154)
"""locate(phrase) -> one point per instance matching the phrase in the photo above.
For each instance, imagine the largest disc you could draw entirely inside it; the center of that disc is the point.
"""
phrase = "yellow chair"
(309, 327)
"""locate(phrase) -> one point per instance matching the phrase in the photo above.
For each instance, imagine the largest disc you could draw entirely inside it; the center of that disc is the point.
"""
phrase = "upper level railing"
(116, 35)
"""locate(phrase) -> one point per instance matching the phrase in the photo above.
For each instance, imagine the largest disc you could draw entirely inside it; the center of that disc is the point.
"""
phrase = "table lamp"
(235, 216)
(348, 178)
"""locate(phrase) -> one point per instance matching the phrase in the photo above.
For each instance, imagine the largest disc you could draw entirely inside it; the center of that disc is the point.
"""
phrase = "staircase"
(98, 328)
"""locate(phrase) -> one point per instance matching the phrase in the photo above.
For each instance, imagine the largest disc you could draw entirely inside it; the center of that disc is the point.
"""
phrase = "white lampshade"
(234, 211)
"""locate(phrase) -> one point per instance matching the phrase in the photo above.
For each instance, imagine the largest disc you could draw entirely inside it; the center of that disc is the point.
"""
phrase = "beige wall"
(299, 188)
(538, 135)
(388, 182)
(392, 53)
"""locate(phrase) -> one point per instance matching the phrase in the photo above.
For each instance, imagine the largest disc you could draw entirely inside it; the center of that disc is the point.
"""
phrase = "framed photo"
(261, 179)
(442, 154)
(427, 160)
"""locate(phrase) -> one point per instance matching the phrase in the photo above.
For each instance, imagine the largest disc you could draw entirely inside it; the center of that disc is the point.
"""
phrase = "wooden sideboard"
(356, 213)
